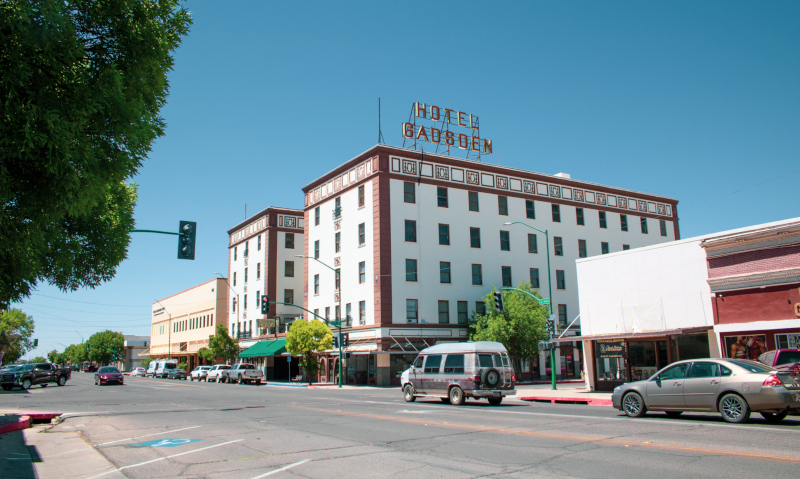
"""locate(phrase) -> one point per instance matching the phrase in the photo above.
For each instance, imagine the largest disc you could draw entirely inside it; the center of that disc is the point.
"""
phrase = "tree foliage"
(76, 353)
(37, 359)
(306, 339)
(105, 347)
(519, 327)
(56, 358)
(81, 86)
(146, 362)
(16, 329)
(207, 354)
(222, 345)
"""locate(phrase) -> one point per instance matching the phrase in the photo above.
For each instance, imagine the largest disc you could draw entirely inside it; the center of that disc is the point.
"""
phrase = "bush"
(146, 362)
(182, 366)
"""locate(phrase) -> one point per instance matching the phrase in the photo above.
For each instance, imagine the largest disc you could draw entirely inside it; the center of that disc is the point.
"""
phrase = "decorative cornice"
(785, 235)
(773, 278)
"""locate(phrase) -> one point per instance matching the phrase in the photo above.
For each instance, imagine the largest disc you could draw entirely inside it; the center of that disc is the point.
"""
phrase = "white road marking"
(415, 412)
(280, 470)
(146, 435)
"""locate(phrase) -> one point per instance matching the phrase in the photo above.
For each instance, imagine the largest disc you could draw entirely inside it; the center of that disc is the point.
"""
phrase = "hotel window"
(245, 276)
(245, 302)
(289, 243)
(560, 283)
(234, 278)
(530, 210)
(411, 270)
(441, 197)
(626, 247)
(316, 313)
(337, 312)
(581, 248)
(348, 310)
(233, 306)
(411, 231)
(444, 235)
(316, 216)
(316, 249)
(533, 244)
(562, 314)
(361, 196)
(643, 221)
(463, 306)
(623, 222)
(258, 270)
(337, 279)
(663, 225)
(328, 312)
(475, 237)
(444, 312)
(444, 272)
(337, 242)
(502, 206)
(579, 216)
(480, 308)
(362, 312)
(259, 242)
(411, 310)
(473, 201)
(603, 223)
(409, 195)
(505, 242)
(362, 234)
(556, 214)
(362, 272)
(604, 248)
(337, 209)
(234, 252)
(288, 296)
(477, 274)
(558, 248)
(288, 269)
(534, 277)
(316, 284)
(506, 271)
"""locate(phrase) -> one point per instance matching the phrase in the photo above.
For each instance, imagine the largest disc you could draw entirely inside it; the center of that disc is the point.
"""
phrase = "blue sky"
(698, 101)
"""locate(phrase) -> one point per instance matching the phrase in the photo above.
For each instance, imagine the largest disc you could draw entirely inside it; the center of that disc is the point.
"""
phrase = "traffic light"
(265, 305)
(551, 326)
(186, 240)
(345, 340)
(335, 341)
(498, 301)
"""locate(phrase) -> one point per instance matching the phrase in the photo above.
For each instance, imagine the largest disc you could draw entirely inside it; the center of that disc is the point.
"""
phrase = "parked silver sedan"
(732, 387)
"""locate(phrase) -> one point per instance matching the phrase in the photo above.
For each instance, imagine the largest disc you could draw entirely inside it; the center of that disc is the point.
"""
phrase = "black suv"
(27, 375)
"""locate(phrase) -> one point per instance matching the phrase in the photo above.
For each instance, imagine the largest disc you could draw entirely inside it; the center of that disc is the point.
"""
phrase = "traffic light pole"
(550, 294)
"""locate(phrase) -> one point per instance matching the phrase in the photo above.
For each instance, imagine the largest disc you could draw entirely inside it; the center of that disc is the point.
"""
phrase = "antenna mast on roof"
(380, 133)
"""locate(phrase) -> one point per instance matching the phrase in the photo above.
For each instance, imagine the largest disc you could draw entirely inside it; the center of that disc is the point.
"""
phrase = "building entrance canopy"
(265, 348)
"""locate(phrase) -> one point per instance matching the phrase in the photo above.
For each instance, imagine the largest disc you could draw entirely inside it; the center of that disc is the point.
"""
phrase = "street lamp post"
(238, 308)
(336, 276)
(549, 293)
(169, 331)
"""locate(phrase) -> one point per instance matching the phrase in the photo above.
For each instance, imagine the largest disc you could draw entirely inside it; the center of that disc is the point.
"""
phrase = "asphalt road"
(247, 432)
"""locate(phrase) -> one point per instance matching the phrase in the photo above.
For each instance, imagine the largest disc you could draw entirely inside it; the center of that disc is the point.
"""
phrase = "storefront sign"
(610, 348)
(266, 323)
(443, 119)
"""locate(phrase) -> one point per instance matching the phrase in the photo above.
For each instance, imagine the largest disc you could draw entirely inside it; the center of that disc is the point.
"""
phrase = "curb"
(568, 400)
(24, 422)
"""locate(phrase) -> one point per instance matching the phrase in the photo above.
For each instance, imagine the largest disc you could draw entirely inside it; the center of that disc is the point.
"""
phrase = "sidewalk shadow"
(16, 457)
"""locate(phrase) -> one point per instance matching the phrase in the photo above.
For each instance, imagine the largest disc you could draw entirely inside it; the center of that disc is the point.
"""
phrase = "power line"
(740, 190)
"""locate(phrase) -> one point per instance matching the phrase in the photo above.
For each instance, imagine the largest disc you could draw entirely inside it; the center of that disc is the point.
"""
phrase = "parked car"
(176, 373)
(108, 375)
(139, 372)
(164, 366)
(243, 373)
(732, 387)
(74, 367)
(455, 371)
(216, 373)
(89, 368)
(782, 358)
(28, 375)
(151, 369)
(200, 373)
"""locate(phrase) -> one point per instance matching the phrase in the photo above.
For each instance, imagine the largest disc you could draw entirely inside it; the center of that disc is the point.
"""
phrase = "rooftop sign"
(468, 138)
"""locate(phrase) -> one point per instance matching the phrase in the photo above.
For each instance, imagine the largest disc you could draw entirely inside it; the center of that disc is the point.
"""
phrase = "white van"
(151, 369)
(164, 367)
(456, 371)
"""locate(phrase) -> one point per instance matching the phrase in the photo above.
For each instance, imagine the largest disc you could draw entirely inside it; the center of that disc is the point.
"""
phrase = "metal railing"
(337, 213)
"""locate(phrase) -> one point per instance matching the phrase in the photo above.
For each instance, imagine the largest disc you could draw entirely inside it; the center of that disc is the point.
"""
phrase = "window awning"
(265, 348)
(144, 353)
(645, 334)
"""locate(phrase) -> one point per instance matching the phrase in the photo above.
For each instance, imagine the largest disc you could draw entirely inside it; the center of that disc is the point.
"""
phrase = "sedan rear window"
(753, 366)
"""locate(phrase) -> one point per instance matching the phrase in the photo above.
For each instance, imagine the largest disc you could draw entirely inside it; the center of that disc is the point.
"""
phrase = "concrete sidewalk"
(571, 393)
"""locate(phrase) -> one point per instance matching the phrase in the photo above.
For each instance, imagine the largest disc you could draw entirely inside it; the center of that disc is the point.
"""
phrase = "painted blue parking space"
(166, 442)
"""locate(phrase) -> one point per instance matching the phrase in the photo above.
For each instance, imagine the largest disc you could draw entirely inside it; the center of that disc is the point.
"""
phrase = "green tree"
(306, 339)
(146, 362)
(519, 327)
(16, 329)
(56, 358)
(105, 347)
(82, 83)
(207, 354)
(222, 345)
(76, 353)
(182, 366)
(38, 359)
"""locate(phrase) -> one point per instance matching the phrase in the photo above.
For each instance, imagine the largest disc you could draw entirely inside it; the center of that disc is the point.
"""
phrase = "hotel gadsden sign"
(445, 128)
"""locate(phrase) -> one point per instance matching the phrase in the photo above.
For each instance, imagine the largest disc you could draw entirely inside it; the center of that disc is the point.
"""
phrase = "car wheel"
(6, 388)
(495, 401)
(192, 378)
(774, 417)
(734, 408)
(408, 393)
(26, 384)
(633, 405)
(674, 413)
(456, 396)
(258, 382)
(239, 380)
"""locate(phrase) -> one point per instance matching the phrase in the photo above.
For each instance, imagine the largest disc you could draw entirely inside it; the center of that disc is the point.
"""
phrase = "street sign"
(167, 442)
(336, 323)
(544, 301)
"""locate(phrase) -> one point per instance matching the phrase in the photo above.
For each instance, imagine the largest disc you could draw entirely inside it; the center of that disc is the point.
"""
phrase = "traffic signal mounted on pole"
(265, 305)
(498, 301)
(186, 239)
(345, 340)
(335, 341)
(551, 326)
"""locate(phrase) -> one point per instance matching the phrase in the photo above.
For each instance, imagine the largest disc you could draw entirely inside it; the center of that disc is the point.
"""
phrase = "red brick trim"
(306, 253)
(271, 269)
(382, 243)
(675, 222)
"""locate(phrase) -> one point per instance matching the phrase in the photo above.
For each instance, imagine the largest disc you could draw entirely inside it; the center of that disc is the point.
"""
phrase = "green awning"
(265, 348)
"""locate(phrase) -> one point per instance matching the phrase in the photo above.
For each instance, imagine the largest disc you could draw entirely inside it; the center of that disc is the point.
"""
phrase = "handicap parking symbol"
(167, 442)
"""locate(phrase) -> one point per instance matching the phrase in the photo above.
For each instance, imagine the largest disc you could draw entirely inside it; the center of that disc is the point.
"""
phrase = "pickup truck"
(243, 373)
(28, 375)
(781, 358)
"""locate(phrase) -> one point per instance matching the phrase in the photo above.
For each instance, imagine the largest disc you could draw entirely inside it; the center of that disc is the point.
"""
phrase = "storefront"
(269, 357)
